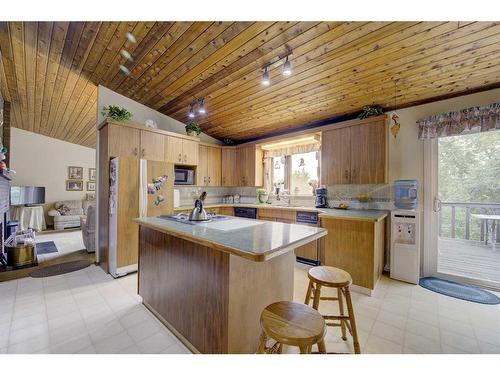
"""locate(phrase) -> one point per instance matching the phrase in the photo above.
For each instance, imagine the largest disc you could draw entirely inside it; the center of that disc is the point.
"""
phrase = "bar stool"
(339, 279)
(294, 324)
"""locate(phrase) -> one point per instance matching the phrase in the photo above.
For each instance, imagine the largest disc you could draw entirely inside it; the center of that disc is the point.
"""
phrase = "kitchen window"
(298, 173)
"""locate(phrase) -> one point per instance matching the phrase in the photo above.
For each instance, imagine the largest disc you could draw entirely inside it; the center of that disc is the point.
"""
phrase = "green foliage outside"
(469, 172)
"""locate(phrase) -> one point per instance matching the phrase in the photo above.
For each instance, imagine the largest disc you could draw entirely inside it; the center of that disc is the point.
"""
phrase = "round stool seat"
(293, 323)
(330, 276)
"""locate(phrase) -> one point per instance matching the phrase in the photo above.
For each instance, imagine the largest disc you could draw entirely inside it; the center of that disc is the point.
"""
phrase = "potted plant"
(193, 129)
(116, 113)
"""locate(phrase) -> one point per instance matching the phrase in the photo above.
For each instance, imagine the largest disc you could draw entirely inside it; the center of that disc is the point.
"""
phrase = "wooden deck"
(469, 259)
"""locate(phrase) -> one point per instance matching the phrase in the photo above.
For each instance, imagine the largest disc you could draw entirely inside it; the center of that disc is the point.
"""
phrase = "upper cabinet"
(209, 166)
(181, 150)
(229, 175)
(249, 166)
(123, 141)
(354, 154)
(152, 146)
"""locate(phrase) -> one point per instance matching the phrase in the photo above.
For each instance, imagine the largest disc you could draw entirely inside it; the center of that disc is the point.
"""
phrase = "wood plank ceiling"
(50, 71)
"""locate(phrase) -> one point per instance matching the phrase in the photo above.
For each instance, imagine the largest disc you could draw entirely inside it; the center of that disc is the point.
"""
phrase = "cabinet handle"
(209, 180)
(135, 151)
(346, 175)
(143, 152)
(180, 157)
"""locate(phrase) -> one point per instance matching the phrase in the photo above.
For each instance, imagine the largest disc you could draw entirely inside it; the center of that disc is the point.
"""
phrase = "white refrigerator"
(138, 188)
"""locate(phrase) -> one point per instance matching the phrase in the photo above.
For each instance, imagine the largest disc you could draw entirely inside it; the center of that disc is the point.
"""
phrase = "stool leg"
(305, 349)
(262, 344)
(322, 347)
(308, 294)
(317, 294)
(352, 320)
(341, 310)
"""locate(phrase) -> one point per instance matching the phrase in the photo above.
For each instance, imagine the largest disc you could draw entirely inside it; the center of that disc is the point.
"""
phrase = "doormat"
(59, 269)
(46, 247)
(459, 290)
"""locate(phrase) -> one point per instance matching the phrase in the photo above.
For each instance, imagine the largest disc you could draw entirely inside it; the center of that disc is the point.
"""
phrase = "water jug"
(405, 194)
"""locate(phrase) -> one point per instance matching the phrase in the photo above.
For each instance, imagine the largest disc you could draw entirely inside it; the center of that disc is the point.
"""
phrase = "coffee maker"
(321, 199)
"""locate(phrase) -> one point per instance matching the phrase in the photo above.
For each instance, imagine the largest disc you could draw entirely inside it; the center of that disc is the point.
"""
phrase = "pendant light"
(287, 67)
(265, 78)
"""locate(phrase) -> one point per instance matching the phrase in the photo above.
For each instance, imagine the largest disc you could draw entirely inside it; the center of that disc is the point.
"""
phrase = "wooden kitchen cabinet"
(249, 166)
(123, 141)
(152, 146)
(356, 246)
(229, 177)
(354, 153)
(181, 151)
(209, 166)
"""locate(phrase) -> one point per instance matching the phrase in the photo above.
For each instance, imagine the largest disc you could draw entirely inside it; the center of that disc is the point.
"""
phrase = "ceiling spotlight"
(191, 112)
(126, 54)
(265, 78)
(124, 69)
(130, 37)
(201, 106)
(287, 68)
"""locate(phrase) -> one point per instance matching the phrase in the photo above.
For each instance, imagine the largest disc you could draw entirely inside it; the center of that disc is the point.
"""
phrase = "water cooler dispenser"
(405, 246)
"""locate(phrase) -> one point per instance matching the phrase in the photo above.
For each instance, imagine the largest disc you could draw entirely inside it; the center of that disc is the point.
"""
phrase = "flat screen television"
(26, 195)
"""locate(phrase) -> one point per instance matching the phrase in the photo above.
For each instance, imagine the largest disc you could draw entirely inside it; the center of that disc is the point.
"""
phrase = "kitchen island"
(209, 282)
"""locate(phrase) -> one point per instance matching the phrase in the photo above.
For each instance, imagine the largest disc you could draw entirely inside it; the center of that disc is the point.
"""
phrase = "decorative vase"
(192, 133)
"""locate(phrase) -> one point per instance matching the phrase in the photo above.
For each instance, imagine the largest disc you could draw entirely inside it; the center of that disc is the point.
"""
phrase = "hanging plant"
(229, 141)
(369, 111)
(116, 113)
(193, 128)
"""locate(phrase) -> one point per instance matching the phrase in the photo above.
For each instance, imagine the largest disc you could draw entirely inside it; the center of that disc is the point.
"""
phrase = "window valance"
(470, 120)
(290, 150)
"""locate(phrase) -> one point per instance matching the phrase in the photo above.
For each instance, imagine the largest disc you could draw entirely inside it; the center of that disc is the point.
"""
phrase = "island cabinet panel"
(186, 286)
(356, 246)
(123, 141)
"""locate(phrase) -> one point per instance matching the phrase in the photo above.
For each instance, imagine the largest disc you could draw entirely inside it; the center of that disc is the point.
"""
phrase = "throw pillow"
(63, 210)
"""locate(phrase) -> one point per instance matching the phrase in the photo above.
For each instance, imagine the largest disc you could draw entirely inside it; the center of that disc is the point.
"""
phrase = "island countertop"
(255, 240)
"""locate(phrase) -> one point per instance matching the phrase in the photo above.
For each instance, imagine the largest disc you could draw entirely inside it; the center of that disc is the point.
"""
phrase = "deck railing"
(456, 220)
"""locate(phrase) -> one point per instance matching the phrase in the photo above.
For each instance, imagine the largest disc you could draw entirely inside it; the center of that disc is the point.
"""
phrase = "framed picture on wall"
(92, 174)
(75, 173)
(91, 186)
(90, 196)
(72, 185)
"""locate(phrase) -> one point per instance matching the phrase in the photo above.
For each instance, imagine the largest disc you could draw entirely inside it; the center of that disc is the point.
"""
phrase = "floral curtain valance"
(470, 120)
(291, 150)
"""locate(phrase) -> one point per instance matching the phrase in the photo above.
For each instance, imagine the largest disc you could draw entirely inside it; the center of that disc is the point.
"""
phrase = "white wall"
(44, 161)
(141, 113)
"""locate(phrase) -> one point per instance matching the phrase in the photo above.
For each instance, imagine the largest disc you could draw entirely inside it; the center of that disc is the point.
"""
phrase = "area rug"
(59, 269)
(459, 290)
(46, 247)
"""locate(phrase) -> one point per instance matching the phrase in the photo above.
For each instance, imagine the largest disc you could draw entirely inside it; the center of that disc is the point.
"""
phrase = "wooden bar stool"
(339, 279)
(294, 324)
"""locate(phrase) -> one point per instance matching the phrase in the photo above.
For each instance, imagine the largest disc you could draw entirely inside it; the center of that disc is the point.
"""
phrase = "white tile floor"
(89, 312)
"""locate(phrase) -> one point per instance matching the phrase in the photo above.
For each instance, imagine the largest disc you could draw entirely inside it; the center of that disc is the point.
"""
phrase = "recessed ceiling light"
(124, 69)
(265, 78)
(287, 68)
(130, 37)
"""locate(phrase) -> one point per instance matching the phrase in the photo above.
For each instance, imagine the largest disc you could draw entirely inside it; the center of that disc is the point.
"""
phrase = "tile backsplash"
(381, 195)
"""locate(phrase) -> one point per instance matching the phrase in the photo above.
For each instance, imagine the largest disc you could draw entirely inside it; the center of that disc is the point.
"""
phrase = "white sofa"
(77, 209)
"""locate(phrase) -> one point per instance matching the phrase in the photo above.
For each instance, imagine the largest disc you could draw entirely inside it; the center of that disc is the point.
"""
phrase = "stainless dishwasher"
(308, 254)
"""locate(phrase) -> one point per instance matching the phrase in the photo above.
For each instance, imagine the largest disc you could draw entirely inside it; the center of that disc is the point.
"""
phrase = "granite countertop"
(256, 240)
(365, 215)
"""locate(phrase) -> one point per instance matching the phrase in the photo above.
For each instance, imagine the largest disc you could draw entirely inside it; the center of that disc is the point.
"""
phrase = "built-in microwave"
(184, 176)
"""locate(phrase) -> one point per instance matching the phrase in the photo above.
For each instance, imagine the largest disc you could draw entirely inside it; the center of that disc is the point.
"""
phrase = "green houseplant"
(116, 113)
(193, 128)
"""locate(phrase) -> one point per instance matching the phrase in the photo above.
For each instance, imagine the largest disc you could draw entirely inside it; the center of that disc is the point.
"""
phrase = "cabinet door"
(228, 165)
(241, 170)
(173, 150)
(214, 166)
(152, 146)
(203, 165)
(335, 157)
(249, 166)
(190, 152)
(368, 153)
(123, 141)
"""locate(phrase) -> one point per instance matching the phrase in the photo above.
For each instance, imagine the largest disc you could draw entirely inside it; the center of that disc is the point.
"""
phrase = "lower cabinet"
(356, 246)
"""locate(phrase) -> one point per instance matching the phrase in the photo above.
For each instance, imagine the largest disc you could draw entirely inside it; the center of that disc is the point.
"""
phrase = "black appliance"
(310, 253)
(184, 176)
(249, 213)
(321, 199)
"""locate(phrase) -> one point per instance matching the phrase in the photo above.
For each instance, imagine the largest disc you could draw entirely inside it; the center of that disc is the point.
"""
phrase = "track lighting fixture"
(265, 77)
(124, 69)
(191, 112)
(130, 37)
(287, 68)
(201, 106)
(126, 54)
(197, 106)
